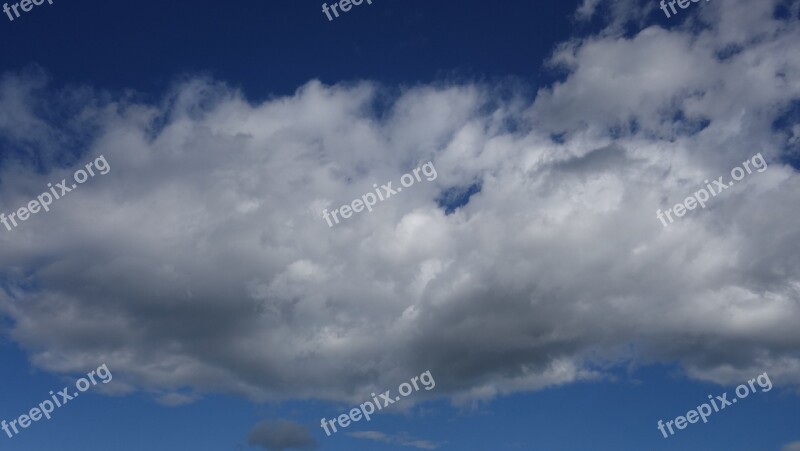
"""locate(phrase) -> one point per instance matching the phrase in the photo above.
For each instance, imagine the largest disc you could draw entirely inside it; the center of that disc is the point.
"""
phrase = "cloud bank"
(201, 263)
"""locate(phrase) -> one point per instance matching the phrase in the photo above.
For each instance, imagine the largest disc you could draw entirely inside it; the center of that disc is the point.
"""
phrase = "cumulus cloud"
(281, 435)
(402, 439)
(201, 262)
(794, 446)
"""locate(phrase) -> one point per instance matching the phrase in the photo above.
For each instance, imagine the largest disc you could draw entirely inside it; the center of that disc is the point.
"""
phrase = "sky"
(548, 280)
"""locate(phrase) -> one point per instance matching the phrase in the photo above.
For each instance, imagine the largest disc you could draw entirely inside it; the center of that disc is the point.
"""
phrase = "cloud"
(281, 435)
(402, 439)
(616, 15)
(794, 446)
(201, 262)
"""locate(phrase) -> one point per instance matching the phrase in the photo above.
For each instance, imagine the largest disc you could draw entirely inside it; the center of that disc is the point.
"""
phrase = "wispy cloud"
(400, 439)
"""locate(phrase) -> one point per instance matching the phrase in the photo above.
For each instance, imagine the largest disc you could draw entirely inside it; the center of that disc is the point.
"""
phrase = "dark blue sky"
(272, 47)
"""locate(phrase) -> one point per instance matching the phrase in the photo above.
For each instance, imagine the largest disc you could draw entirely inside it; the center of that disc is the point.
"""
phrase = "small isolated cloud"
(401, 439)
(281, 435)
(794, 446)
(587, 9)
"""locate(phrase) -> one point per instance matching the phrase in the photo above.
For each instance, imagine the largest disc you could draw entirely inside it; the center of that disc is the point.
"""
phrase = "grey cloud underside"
(201, 262)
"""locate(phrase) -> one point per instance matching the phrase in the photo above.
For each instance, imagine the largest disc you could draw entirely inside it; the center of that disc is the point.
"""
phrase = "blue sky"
(271, 48)
(531, 276)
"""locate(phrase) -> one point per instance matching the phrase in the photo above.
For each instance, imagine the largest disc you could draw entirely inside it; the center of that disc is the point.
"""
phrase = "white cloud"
(202, 260)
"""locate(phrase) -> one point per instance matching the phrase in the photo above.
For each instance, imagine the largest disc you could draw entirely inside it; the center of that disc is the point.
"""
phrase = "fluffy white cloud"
(201, 262)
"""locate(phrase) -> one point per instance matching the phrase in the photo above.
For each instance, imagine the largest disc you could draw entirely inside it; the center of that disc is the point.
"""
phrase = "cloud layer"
(201, 262)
